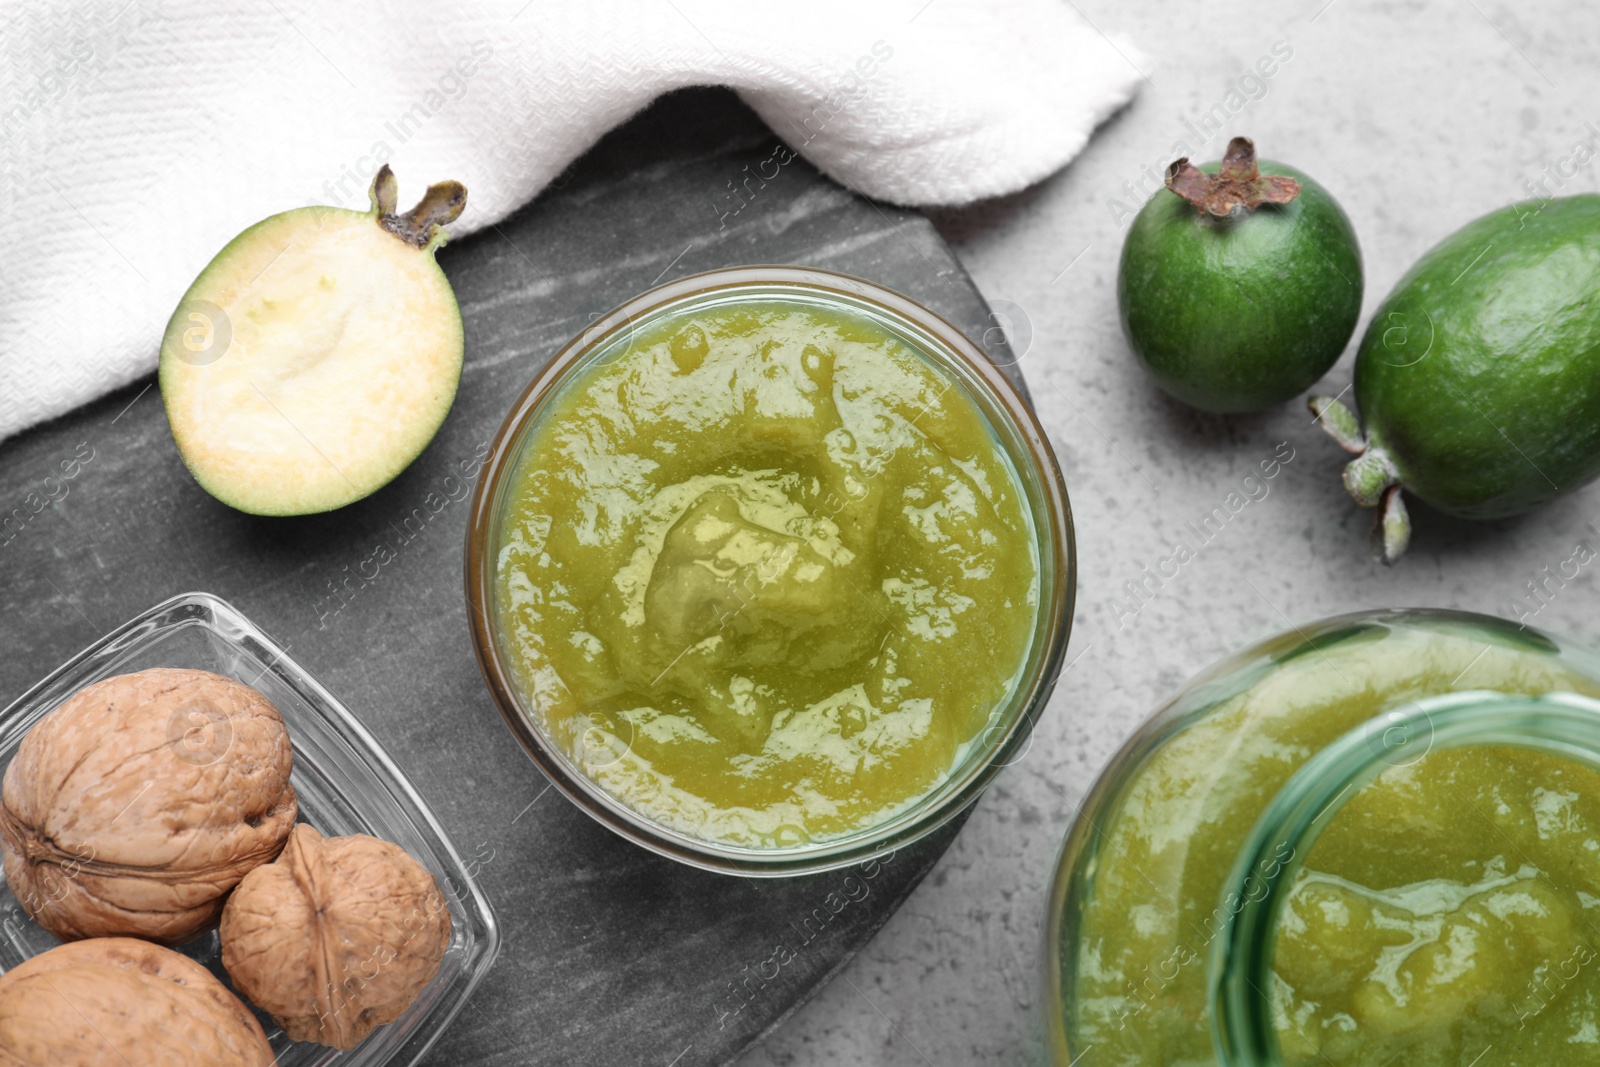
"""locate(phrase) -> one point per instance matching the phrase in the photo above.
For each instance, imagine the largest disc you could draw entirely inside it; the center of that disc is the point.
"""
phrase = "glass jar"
(1362, 842)
(1016, 436)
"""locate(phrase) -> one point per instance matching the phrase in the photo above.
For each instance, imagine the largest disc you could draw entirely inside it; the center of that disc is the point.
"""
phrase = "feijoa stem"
(1373, 470)
(1391, 527)
(1371, 479)
(423, 226)
(1370, 475)
(1238, 184)
(1340, 422)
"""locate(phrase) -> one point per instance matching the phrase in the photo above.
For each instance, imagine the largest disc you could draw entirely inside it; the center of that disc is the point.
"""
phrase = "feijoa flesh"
(317, 355)
(1479, 377)
(1240, 283)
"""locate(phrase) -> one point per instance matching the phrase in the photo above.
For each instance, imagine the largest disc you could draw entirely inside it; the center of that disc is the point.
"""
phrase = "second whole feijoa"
(1478, 380)
(1240, 283)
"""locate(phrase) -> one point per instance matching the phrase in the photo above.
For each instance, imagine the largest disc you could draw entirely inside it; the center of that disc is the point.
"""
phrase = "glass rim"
(1071, 885)
(1028, 449)
(1239, 995)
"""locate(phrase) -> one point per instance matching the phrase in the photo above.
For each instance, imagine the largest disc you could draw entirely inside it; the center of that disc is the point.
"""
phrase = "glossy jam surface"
(1451, 908)
(765, 572)
(1452, 905)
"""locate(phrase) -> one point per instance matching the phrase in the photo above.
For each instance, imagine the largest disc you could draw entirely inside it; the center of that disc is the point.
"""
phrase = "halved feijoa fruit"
(316, 356)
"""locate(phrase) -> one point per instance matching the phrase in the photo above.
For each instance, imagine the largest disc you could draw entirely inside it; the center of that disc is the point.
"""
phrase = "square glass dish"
(346, 784)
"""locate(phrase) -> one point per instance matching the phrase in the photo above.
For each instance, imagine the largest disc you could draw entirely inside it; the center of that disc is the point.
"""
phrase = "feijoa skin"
(1478, 379)
(1240, 283)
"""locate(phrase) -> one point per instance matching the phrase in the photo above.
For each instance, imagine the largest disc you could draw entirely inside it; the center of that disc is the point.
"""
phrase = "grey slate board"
(610, 955)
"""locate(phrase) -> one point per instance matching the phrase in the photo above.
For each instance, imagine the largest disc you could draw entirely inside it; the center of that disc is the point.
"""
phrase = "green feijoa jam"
(766, 572)
(1448, 907)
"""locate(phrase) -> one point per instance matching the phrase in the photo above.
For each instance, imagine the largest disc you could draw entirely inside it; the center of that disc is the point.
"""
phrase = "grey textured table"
(610, 955)
(1419, 117)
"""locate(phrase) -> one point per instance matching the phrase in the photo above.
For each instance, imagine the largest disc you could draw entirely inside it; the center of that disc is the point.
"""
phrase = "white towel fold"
(138, 136)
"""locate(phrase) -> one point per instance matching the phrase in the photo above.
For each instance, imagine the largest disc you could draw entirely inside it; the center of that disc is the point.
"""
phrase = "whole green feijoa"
(1239, 285)
(1479, 377)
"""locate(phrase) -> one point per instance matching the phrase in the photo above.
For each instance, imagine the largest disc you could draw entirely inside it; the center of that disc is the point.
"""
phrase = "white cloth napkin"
(142, 135)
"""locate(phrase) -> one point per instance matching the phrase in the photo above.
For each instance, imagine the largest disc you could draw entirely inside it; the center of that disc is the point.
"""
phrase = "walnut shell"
(115, 1000)
(135, 806)
(336, 938)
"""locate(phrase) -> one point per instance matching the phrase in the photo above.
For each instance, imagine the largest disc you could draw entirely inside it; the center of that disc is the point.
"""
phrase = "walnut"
(135, 806)
(336, 938)
(115, 1000)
